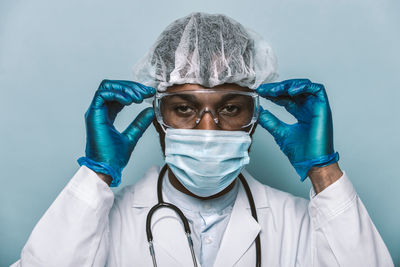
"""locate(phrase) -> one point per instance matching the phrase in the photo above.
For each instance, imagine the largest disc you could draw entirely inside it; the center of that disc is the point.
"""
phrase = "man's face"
(205, 101)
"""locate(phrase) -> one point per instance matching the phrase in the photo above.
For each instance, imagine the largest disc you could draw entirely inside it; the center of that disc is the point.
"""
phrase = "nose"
(207, 122)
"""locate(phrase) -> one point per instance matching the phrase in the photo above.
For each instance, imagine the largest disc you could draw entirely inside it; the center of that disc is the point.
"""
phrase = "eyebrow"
(193, 98)
(228, 97)
(186, 97)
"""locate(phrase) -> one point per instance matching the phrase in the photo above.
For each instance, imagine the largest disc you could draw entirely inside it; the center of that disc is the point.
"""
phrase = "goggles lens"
(230, 110)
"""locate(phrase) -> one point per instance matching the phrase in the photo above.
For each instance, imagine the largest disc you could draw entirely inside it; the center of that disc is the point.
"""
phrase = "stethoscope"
(162, 204)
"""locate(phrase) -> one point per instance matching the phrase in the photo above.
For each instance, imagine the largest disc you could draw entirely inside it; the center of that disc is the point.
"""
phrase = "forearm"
(343, 232)
(73, 229)
(322, 177)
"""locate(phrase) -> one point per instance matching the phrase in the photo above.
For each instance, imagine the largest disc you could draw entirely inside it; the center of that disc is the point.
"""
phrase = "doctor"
(209, 72)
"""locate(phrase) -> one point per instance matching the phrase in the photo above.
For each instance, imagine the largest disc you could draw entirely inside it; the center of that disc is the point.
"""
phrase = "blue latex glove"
(107, 150)
(309, 142)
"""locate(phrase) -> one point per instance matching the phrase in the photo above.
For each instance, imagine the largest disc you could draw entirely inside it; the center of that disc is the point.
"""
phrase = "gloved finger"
(106, 105)
(271, 123)
(311, 88)
(138, 91)
(281, 88)
(136, 129)
(102, 97)
(265, 89)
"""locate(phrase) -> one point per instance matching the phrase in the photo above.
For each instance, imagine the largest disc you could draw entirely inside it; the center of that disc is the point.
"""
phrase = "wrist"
(322, 177)
(106, 178)
(103, 168)
(302, 168)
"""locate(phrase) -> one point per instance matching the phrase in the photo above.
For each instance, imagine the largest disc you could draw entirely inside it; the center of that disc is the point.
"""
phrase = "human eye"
(230, 110)
(184, 110)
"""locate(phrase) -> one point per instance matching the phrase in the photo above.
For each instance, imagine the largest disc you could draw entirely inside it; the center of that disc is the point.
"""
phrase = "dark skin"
(321, 177)
(206, 123)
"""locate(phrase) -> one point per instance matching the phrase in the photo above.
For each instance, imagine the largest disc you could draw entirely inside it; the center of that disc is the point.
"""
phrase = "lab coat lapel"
(240, 233)
(169, 235)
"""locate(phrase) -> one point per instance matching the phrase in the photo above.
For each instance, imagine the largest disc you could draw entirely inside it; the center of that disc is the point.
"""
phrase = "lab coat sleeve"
(343, 232)
(74, 230)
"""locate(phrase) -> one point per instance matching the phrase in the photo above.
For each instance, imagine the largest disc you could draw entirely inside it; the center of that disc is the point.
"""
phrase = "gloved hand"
(107, 150)
(309, 142)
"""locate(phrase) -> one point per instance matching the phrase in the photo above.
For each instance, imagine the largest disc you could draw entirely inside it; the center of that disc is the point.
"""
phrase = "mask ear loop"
(163, 127)
(251, 129)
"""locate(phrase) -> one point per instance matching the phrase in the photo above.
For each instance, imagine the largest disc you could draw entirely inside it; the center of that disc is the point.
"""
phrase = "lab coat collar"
(258, 191)
(242, 228)
(144, 192)
(239, 235)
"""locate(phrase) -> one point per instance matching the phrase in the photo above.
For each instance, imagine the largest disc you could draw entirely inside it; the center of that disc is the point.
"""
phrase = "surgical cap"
(207, 49)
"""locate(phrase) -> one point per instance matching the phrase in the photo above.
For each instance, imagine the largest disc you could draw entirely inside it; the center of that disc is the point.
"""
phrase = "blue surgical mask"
(206, 161)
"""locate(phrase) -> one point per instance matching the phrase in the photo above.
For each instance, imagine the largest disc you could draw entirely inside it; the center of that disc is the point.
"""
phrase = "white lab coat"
(86, 227)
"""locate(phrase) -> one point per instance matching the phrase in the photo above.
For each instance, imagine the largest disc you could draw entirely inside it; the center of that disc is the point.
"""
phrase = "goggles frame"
(159, 95)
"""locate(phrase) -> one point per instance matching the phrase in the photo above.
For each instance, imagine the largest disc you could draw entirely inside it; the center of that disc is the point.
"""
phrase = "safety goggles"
(230, 110)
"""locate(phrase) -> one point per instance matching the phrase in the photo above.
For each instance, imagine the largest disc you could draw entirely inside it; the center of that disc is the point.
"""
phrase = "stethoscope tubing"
(162, 204)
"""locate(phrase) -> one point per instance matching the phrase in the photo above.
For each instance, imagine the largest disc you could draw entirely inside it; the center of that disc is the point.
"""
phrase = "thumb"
(136, 129)
(270, 122)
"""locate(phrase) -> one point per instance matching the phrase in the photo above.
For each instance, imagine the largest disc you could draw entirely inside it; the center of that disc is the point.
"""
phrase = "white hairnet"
(207, 49)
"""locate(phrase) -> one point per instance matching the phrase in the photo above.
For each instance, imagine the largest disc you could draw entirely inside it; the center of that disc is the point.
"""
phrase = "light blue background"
(53, 54)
